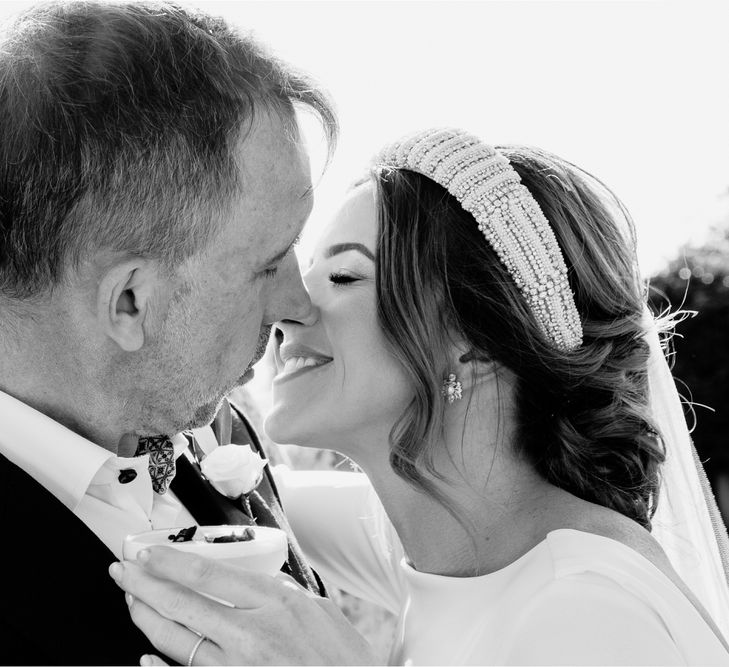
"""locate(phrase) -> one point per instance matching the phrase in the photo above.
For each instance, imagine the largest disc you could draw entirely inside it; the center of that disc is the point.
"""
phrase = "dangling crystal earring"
(452, 389)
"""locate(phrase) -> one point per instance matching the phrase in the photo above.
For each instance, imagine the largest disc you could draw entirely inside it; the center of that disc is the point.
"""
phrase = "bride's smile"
(293, 360)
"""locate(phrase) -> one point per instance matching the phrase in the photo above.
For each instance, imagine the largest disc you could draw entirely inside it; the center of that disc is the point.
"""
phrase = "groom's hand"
(273, 621)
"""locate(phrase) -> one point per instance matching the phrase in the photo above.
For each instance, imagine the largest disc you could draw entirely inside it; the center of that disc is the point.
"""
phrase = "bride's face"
(337, 383)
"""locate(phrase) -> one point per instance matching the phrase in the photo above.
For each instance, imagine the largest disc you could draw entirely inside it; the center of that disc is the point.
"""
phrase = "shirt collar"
(109, 471)
(63, 462)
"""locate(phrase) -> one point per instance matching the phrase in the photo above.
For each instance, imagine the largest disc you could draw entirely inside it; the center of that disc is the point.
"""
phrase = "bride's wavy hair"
(582, 416)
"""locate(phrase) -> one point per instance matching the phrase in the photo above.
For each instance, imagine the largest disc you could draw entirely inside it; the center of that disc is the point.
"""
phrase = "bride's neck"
(503, 506)
(496, 524)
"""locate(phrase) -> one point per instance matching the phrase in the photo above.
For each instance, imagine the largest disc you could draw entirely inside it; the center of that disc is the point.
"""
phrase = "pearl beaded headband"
(488, 187)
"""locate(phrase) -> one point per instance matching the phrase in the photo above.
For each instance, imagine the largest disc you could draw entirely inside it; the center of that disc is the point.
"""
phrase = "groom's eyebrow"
(344, 247)
(277, 258)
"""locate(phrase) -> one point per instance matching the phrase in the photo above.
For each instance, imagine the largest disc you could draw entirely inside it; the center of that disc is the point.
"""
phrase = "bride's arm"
(343, 530)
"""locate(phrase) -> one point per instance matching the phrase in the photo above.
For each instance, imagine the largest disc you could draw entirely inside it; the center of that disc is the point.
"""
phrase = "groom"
(152, 185)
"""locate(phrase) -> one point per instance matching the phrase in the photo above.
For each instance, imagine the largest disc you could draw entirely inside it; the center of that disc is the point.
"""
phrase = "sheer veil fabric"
(687, 522)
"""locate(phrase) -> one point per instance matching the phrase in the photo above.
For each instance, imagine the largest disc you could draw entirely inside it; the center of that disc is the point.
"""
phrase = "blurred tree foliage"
(698, 279)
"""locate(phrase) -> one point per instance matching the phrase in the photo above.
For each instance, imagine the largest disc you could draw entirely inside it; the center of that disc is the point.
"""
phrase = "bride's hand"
(274, 621)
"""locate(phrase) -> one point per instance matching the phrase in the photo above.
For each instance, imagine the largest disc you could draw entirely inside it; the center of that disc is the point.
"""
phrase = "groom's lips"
(261, 346)
(263, 338)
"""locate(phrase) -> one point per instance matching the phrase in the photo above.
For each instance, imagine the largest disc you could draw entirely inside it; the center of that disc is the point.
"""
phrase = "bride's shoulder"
(585, 619)
(591, 519)
(594, 520)
(604, 599)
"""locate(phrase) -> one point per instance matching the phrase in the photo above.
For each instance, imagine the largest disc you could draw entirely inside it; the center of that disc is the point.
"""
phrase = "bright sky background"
(635, 92)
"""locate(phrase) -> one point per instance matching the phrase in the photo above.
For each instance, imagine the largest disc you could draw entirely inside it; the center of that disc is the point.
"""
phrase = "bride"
(480, 346)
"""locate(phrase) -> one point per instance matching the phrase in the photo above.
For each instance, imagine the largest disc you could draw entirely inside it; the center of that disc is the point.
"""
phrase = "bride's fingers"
(150, 660)
(289, 582)
(171, 600)
(266, 607)
(243, 589)
(173, 639)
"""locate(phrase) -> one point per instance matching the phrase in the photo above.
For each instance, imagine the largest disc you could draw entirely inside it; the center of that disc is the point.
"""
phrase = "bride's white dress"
(574, 599)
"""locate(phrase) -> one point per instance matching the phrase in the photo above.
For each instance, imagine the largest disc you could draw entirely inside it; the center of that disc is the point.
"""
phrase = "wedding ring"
(194, 650)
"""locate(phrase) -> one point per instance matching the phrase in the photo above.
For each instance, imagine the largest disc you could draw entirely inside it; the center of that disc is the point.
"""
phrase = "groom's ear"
(124, 298)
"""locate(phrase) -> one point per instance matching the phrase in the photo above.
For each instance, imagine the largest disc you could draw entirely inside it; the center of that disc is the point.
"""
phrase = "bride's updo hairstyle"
(582, 416)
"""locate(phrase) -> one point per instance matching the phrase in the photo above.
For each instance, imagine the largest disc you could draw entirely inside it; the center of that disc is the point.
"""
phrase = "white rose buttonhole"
(233, 470)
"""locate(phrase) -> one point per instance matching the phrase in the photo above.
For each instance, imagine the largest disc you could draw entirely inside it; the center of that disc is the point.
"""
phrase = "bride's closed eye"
(339, 278)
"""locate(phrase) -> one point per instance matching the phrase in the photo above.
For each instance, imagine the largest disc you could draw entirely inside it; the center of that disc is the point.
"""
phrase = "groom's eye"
(272, 270)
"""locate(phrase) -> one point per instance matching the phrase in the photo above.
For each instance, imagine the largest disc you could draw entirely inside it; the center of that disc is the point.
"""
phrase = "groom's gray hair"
(119, 124)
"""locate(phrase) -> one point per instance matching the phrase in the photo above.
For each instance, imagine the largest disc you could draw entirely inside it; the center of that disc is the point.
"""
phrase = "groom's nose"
(291, 300)
(301, 310)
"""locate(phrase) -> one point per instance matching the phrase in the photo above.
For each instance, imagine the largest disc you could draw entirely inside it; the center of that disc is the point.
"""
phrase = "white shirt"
(574, 599)
(85, 476)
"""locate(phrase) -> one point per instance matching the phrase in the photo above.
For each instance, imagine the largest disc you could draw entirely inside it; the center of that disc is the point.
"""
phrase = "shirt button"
(128, 475)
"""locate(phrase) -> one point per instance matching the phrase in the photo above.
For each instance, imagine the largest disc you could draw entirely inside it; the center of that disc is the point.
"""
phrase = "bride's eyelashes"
(338, 278)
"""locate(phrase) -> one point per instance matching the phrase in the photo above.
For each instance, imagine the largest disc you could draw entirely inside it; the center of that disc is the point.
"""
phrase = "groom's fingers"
(243, 589)
(172, 639)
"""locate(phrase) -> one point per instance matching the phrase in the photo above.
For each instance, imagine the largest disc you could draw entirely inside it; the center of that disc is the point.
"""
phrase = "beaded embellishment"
(488, 187)
(452, 389)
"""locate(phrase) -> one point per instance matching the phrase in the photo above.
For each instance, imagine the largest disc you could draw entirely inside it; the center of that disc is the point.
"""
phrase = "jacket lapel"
(207, 506)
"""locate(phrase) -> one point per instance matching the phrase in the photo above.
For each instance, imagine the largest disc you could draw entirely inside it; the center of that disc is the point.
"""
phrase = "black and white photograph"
(364, 332)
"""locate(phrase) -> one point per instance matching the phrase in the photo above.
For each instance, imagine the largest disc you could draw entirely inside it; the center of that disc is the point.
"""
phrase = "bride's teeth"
(294, 364)
(290, 365)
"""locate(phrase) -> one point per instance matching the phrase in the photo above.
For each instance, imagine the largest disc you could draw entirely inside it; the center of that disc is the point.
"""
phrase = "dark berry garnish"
(185, 535)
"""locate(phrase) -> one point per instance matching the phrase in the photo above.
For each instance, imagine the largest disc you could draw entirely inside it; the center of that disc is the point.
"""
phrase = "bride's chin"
(281, 429)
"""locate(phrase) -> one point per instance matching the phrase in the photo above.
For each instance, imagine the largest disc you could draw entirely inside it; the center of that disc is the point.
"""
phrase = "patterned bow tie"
(161, 460)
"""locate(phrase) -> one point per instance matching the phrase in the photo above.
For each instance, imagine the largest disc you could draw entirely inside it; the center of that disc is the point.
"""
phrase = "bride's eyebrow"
(344, 247)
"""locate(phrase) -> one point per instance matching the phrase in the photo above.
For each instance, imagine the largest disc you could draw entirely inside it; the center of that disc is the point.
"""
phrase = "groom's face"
(217, 324)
